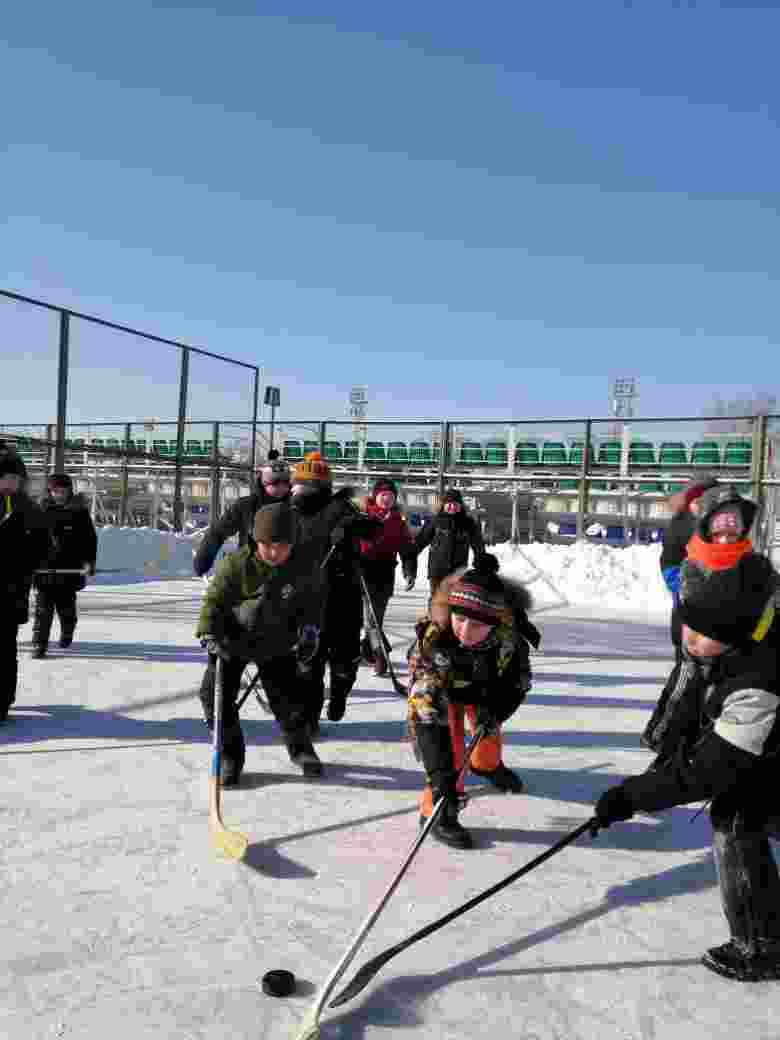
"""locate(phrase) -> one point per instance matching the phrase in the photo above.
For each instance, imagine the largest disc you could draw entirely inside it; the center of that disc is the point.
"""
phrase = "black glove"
(338, 534)
(214, 647)
(307, 646)
(613, 807)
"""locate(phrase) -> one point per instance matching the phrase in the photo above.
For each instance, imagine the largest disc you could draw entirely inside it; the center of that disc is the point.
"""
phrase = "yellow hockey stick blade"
(309, 1028)
(227, 844)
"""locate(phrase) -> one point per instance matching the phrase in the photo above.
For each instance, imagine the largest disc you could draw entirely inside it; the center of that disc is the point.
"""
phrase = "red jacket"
(395, 536)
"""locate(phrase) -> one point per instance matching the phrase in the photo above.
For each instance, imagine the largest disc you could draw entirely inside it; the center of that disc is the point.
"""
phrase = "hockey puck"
(278, 983)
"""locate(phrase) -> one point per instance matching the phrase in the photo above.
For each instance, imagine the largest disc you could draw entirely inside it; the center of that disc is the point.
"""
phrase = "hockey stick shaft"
(248, 690)
(230, 844)
(362, 978)
(309, 1028)
(398, 687)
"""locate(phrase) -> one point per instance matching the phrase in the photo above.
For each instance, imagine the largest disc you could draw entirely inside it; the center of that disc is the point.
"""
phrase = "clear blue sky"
(475, 210)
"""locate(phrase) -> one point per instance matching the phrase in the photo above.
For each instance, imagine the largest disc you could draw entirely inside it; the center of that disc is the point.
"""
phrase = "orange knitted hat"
(313, 467)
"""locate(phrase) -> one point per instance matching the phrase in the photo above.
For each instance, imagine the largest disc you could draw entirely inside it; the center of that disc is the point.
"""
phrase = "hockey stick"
(248, 689)
(229, 844)
(310, 1027)
(362, 978)
(399, 688)
(83, 571)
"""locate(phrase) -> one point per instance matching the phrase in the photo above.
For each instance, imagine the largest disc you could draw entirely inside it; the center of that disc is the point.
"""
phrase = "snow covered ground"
(119, 921)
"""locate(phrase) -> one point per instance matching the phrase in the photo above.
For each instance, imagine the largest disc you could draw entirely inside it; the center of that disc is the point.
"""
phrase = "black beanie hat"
(453, 495)
(11, 465)
(723, 498)
(384, 484)
(275, 523)
(728, 604)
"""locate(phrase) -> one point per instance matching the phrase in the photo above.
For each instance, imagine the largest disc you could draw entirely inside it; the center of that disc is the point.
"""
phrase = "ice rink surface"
(119, 922)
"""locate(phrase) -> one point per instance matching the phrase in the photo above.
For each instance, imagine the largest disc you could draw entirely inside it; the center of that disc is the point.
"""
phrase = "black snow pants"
(747, 874)
(51, 598)
(9, 667)
(339, 647)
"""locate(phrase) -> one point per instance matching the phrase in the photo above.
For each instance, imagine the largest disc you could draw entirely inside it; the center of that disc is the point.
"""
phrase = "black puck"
(278, 983)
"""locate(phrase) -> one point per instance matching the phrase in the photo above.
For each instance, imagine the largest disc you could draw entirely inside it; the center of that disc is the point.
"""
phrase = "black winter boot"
(302, 754)
(728, 960)
(39, 652)
(448, 829)
(340, 685)
(502, 778)
(66, 638)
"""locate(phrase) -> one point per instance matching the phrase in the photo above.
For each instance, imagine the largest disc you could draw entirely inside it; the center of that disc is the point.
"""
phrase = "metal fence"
(55, 439)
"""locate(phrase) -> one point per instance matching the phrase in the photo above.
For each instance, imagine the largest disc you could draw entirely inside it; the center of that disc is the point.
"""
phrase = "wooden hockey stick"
(399, 688)
(228, 844)
(309, 1029)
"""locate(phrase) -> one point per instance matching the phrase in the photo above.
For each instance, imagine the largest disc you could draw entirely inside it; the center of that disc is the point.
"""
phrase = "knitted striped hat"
(313, 467)
(479, 592)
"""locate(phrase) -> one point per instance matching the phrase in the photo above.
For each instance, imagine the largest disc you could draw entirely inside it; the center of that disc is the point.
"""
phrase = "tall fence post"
(214, 509)
(444, 454)
(255, 406)
(62, 391)
(178, 505)
(582, 491)
(125, 490)
(758, 473)
(51, 448)
(321, 434)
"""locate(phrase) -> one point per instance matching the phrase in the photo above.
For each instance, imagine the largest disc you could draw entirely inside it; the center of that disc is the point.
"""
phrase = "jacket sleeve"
(229, 524)
(37, 540)
(514, 685)
(727, 753)
(222, 594)
(425, 537)
(476, 539)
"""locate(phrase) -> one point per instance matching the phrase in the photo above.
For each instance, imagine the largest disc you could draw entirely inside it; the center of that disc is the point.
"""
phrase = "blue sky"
(476, 211)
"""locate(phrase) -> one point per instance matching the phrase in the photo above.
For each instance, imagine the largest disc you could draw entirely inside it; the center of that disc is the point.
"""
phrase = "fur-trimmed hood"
(516, 594)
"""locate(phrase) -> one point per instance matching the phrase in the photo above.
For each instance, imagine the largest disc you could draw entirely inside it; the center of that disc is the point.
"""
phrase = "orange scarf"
(718, 557)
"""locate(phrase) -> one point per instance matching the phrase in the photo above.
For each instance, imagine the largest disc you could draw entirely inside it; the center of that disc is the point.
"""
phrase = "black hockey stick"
(399, 688)
(362, 977)
(309, 1029)
(249, 687)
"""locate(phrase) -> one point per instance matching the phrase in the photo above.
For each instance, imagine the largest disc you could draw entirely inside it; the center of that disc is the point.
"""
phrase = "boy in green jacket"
(263, 606)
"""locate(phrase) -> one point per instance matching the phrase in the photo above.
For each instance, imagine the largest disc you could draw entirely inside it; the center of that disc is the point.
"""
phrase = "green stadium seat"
(609, 453)
(351, 451)
(208, 448)
(738, 453)
(673, 453)
(97, 442)
(575, 453)
(192, 447)
(527, 453)
(651, 488)
(397, 451)
(292, 450)
(641, 453)
(470, 453)
(496, 453)
(744, 489)
(705, 453)
(160, 447)
(568, 485)
(375, 452)
(598, 485)
(420, 452)
(333, 451)
(172, 446)
(113, 442)
(554, 453)
(672, 489)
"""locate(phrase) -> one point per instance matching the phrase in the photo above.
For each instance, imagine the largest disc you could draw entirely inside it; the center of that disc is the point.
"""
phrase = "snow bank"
(582, 575)
(143, 551)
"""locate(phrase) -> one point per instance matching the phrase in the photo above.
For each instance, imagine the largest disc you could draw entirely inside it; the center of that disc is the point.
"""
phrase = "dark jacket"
(256, 611)
(23, 547)
(722, 734)
(239, 520)
(674, 550)
(72, 540)
(450, 535)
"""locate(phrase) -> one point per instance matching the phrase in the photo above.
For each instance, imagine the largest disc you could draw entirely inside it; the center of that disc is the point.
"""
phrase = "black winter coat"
(72, 541)
(450, 535)
(238, 519)
(321, 514)
(23, 547)
(724, 735)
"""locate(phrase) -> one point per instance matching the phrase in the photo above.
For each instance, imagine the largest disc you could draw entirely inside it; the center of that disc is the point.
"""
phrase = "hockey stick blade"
(365, 974)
